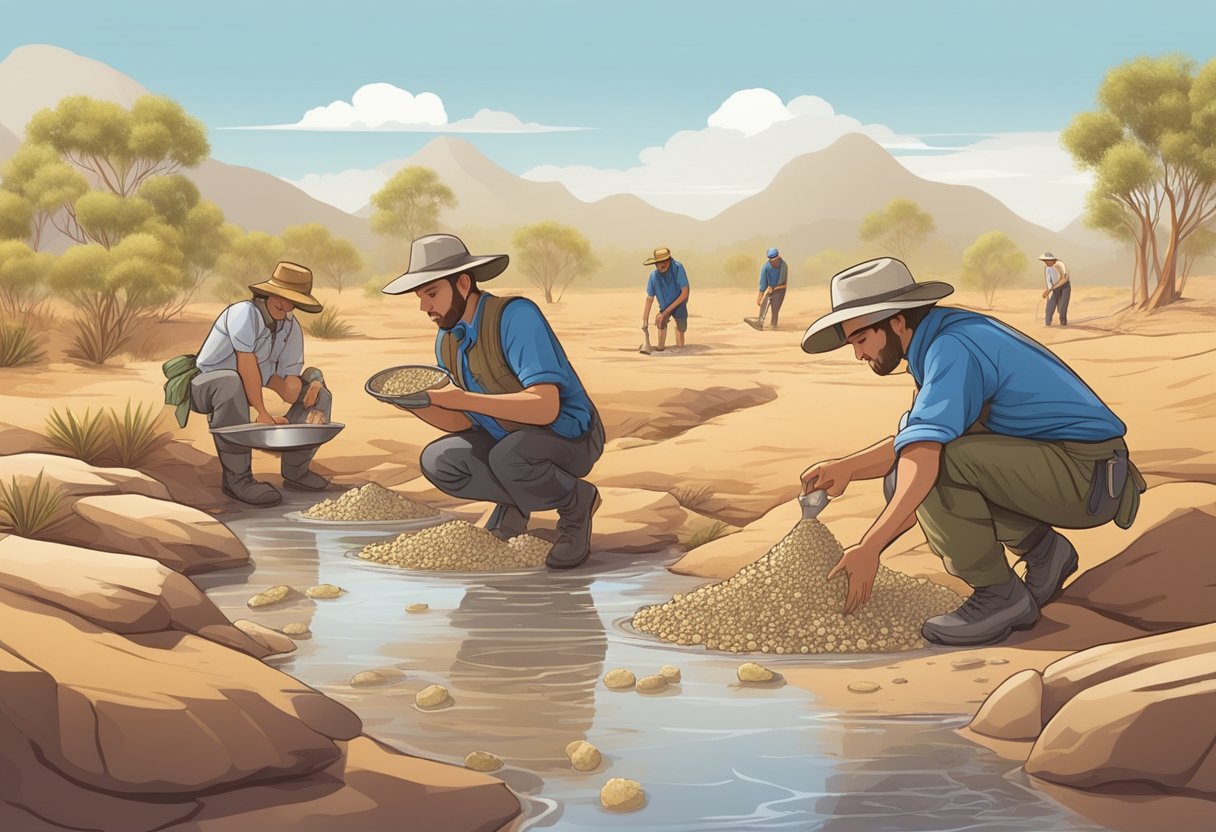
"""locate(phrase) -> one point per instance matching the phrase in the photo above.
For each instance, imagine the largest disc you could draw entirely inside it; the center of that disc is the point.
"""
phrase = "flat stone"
(864, 687)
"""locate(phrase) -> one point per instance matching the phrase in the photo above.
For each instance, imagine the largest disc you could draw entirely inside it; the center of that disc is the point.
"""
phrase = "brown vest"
(487, 361)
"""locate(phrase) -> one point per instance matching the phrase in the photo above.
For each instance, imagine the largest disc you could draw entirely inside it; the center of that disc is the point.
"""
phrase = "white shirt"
(241, 328)
(1054, 273)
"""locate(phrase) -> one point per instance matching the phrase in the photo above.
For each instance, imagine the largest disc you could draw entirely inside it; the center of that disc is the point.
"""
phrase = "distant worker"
(669, 283)
(773, 277)
(1059, 288)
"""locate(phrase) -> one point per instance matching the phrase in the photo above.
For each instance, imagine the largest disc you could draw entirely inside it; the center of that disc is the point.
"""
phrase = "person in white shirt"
(253, 345)
(1059, 288)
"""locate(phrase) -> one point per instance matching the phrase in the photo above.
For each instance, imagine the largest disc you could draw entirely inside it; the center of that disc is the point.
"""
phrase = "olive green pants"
(994, 491)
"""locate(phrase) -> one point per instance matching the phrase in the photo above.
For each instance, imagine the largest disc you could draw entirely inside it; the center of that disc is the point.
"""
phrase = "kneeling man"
(522, 431)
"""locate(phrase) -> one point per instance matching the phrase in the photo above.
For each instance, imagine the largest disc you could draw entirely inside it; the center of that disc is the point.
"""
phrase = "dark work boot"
(238, 482)
(308, 481)
(506, 522)
(988, 616)
(573, 545)
(1050, 558)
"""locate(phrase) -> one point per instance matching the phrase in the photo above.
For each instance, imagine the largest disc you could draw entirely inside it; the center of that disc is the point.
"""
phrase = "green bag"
(180, 371)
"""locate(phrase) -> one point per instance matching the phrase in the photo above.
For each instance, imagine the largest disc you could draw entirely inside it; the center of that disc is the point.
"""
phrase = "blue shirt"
(962, 361)
(535, 356)
(666, 287)
(771, 278)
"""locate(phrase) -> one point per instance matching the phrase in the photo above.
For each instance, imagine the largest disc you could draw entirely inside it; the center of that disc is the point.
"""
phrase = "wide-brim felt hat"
(1047, 255)
(660, 254)
(437, 256)
(292, 282)
(873, 290)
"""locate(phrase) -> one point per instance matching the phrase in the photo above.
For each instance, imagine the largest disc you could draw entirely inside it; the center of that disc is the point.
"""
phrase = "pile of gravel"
(369, 503)
(457, 546)
(783, 603)
(408, 381)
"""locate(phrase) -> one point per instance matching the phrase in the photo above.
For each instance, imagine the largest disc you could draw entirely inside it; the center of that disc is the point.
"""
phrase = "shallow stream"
(523, 655)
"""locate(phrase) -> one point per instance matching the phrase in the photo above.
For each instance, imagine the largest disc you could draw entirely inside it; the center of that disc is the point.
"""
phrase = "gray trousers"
(1058, 299)
(220, 395)
(532, 468)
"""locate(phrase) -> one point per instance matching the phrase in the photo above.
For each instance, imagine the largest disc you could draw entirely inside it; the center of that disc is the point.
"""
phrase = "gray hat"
(873, 290)
(1047, 255)
(437, 256)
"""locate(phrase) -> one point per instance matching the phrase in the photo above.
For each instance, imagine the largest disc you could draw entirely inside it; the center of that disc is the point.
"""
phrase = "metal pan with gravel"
(456, 546)
(784, 604)
(371, 505)
(406, 385)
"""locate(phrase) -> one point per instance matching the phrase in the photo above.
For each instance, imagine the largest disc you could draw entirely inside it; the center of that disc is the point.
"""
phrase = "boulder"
(164, 713)
(182, 538)
(1014, 710)
(1152, 727)
(77, 478)
(275, 642)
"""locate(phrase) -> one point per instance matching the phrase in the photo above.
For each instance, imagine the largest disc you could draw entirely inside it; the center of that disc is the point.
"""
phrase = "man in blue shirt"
(774, 276)
(1003, 443)
(522, 430)
(669, 283)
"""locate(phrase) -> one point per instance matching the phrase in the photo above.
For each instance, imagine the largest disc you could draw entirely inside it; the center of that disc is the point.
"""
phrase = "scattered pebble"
(752, 672)
(432, 696)
(367, 679)
(864, 687)
(652, 684)
(621, 795)
(619, 679)
(371, 502)
(583, 756)
(967, 664)
(324, 591)
(670, 672)
(410, 380)
(270, 596)
(999, 661)
(417, 607)
(981, 680)
(296, 629)
(899, 680)
(482, 761)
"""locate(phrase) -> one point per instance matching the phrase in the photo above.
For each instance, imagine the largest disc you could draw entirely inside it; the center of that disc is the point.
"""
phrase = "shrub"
(85, 438)
(18, 346)
(28, 509)
(134, 435)
(328, 326)
(705, 534)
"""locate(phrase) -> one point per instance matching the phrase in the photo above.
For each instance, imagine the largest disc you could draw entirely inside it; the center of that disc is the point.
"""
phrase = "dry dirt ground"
(733, 419)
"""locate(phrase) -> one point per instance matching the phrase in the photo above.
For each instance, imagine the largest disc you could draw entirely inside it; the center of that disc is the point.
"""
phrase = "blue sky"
(636, 72)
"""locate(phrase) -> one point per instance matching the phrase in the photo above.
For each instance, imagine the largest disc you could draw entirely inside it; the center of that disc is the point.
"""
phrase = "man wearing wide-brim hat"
(1059, 288)
(1003, 443)
(253, 345)
(522, 431)
(668, 283)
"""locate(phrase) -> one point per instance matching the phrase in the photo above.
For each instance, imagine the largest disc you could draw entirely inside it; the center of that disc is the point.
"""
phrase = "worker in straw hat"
(521, 430)
(1059, 287)
(254, 345)
(669, 283)
(1003, 442)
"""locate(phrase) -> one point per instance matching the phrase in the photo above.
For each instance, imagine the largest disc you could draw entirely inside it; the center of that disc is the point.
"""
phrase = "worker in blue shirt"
(669, 283)
(1004, 442)
(774, 275)
(522, 431)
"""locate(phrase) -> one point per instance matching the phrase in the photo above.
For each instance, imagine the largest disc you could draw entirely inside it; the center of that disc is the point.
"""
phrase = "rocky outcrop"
(1137, 715)
(79, 479)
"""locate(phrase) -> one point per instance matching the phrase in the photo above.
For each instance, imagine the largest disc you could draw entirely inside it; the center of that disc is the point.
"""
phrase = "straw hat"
(660, 254)
(292, 282)
(873, 290)
(437, 256)
(1047, 255)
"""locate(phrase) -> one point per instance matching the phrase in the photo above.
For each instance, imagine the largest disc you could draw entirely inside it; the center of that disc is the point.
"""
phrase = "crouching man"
(1004, 443)
(254, 345)
(522, 432)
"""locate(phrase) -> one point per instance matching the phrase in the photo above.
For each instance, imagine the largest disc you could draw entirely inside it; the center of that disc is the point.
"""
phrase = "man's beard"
(888, 357)
(455, 311)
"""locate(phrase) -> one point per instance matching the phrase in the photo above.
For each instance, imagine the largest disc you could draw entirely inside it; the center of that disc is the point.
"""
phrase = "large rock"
(632, 520)
(161, 713)
(182, 538)
(1014, 710)
(1154, 726)
(79, 479)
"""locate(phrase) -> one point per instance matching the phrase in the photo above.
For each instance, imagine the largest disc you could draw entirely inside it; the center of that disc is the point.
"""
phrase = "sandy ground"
(737, 414)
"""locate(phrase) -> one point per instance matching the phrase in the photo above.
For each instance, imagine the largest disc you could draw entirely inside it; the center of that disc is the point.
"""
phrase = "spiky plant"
(28, 508)
(705, 534)
(134, 434)
(18, 346)
(692, 498)
(85, 437)
(328, 326)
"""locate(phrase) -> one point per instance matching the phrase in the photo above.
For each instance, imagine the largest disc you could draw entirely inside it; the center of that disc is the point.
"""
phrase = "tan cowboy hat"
(873, 290)
(1047, 255)
(660, 254)
(293, 282)
(437, 256)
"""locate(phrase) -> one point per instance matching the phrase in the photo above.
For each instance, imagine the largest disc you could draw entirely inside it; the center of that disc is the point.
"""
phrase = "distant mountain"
(9, 142)
(38, 76)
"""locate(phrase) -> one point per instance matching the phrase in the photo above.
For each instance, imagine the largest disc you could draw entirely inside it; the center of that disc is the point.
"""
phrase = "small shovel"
(645, 349)
(758, 322)
(813, 503)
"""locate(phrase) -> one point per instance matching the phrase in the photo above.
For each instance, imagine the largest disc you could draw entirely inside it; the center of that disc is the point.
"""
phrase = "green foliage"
(29, 509)
(372, 289)
(409, 204)
(991, 262)
(328, 326)
(107, 218)
(693, 499)
(134, 434)
(313, 246)
(553, 256)
(900, 228)
(23, 273)
(738, 269)
(16, 216)
(85, 437)
(121, 148)
(18, 346)
(49, 185)
(692, 538)
(248, 259)
(820, 267)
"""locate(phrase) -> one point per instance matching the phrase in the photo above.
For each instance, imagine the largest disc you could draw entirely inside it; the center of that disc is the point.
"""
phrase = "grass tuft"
(134, 435)
(693, 499)
(705, 534)
(19, 347)
(328, 326)
(29, 508)
(86, 437)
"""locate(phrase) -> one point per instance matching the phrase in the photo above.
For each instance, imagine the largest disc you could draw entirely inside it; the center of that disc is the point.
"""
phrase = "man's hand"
(859, 564)
(832, 475)
(1046, 292)
(448, 397)
(264, 418)
(660, 320)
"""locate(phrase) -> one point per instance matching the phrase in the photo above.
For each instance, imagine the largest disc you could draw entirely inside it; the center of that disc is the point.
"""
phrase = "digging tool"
(813, 503)
(645, 349)
(757, 323)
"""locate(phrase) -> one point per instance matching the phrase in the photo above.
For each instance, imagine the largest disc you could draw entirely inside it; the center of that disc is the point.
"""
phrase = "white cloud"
(386, 108)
